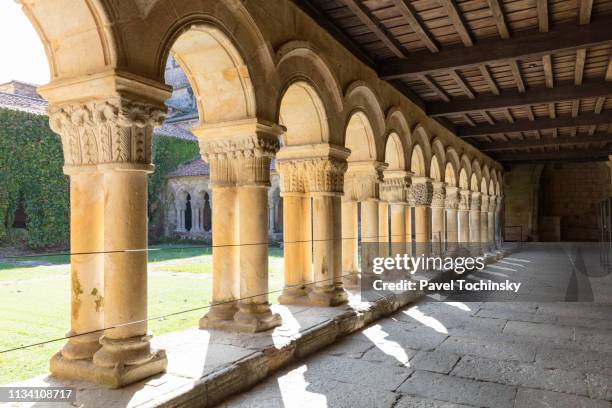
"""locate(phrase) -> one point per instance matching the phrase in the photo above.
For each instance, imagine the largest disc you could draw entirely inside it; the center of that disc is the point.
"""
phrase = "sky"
(22, 55)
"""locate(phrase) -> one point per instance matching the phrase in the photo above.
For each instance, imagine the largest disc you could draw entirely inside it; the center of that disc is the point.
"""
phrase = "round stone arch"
(360, 100)
(309, 90)
(436, 168)
(84, 44)
(396, 122)
(225, 57)
(418, 162)
(360, 138)
(304, 115)
(420, 138)
(394, 153)
(465, 174)
(453, 164)
(476, 176)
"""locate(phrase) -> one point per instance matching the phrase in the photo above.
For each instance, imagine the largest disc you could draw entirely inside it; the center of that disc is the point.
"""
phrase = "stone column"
(437, 216)
(475, 223)
(394, 191)
(464, 217)
(383, 228)
(317, 172)
(350, 242)
(362, 183)
(498, 222)
(421, 195)
(484, 221)
(240, 153)
(106, 138)
(451, 204)
(86, 261)
(491, 221)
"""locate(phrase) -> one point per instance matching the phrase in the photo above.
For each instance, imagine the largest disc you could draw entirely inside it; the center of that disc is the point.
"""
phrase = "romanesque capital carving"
(439, 195)
(312, 175)
(464, 200)
(394, 188)
(240, 160)
(475, 201)
(420, 193)
(362, 180)
(112, 130)
(451, 201)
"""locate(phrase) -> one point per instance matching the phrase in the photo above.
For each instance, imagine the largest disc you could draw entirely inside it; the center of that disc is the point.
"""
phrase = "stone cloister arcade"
(269, 84)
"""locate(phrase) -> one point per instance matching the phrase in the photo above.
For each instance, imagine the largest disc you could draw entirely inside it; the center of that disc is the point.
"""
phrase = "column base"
(113, 377)
(254, 317)
(82, 346)
(350, 279)
(327, 297)
(293, 296)
(219, 316)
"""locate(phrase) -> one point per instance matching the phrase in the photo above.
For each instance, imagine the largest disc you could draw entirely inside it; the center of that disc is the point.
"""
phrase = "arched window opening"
(207, 213)
(188, 220)
(20, 216)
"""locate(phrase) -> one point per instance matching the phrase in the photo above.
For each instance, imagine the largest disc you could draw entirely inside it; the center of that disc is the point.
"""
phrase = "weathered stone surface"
(599, 385)
(521, 374)
(489, 348)
(529, 398)
(539, 330)
(437, 361)
(415, 402)
(459, 390)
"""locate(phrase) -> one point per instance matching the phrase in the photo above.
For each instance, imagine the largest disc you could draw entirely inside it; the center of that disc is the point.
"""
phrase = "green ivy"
(168, 154)
(31, 161)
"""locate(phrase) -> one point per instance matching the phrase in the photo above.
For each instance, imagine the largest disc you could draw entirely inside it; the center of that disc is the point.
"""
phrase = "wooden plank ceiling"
(523, 80)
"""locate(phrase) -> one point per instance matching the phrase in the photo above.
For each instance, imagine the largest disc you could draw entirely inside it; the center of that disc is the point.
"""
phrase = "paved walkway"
(455, 354)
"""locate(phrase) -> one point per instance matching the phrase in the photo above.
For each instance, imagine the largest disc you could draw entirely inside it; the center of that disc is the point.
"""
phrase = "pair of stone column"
(451, 204)
(361, 193)
(106, 135)
(239, 154)
(312, 178)
(395, 193)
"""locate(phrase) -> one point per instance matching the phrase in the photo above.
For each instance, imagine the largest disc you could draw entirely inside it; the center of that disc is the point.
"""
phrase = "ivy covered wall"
(31, 161)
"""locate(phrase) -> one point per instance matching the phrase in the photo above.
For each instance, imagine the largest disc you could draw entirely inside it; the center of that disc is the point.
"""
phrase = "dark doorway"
(188, 213)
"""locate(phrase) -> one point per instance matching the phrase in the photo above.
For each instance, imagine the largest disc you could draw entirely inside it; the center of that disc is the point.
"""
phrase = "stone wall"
(535, 193)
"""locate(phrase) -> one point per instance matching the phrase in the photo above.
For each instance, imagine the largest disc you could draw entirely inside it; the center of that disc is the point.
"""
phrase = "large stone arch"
(396, 122)
(360, 97)
(300, 62)
(304, 115)
(421, 138)
(453, 164)
(225, 57)
(418, 162)
(476, 177)
(84, 44)
(438, 160)
(360, 137)
(394, 153)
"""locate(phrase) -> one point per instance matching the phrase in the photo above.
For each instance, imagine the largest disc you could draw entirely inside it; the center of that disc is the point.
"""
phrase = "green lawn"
(35, 301)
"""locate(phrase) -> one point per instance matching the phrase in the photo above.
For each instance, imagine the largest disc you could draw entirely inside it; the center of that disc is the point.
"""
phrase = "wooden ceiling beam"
(523, 125)
(325, 23)
(484, 71)
(548, 71)
(579, 69)
(434, 87)
(516, 73)
(462, 84)
(585, 9)
(524, 44)
(456, 19)
(407, 11)
(542, 6)
(365, 16)
(528, 144)
(500, 19)
(512, 98)
(562, 155)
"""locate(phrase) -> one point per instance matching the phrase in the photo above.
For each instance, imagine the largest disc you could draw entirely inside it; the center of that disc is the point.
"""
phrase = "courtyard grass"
(35, 302)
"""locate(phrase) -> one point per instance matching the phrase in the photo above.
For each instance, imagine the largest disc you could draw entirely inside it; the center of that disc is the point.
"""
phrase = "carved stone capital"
(451, 201)
(241, 159)
(312, 169)
(475, 201)
(395, 185)
(439, 194)
(362, 180)
(420, 193)
(106, 131)
(464, 200)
